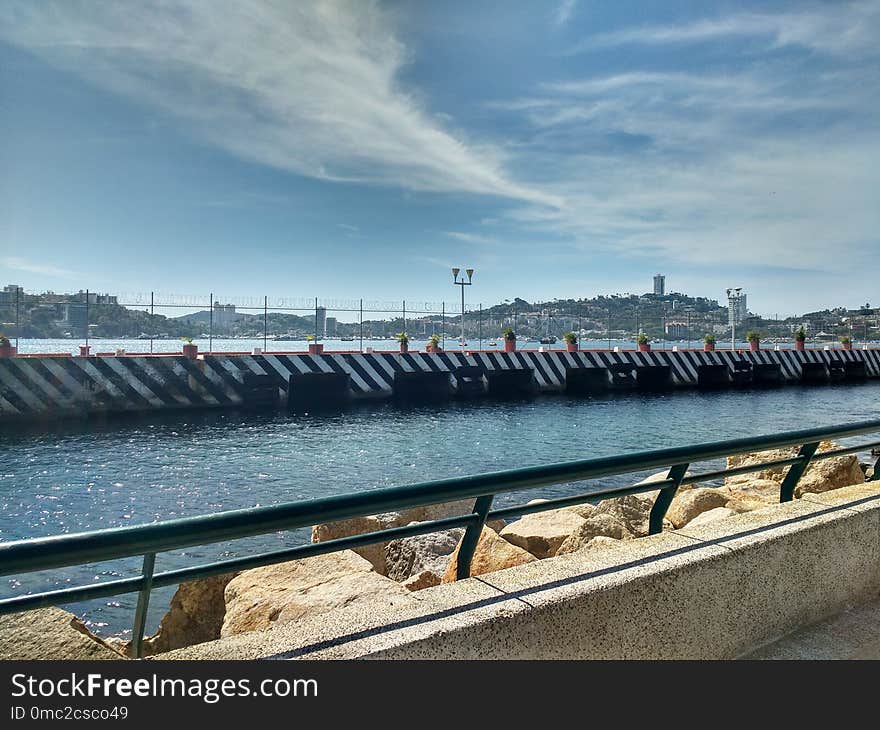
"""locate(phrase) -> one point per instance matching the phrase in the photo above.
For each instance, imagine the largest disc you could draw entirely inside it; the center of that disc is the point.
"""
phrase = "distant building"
(659, 285)
(330, 327)
(95, 298)
(320, 321)
(76, 319)
(224, 315)
(737, 307)
(677, 330)
(11, 293)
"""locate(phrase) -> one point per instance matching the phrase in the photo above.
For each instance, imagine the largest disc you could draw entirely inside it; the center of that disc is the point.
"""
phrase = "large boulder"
(492, 553)
(604, 525)
(410, 556)
(374, 553)
(692, 502)
(746, 496)
(195, 615)
(263, 597)
(631, 510)
(719, 513)
(542, 533)
(820, 476)
(50, 633)
(425, 579)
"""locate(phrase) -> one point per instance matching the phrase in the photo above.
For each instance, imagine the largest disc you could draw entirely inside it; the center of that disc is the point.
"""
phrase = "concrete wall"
(716, 591)
(34, 387)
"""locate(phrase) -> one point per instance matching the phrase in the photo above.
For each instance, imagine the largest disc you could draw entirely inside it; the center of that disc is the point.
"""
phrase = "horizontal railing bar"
(173, 577)
(70, 595)
(736, 470)
(74, 549)
(848, 450)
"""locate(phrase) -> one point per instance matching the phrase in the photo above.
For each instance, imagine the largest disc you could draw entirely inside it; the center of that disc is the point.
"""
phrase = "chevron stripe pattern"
(33, 387)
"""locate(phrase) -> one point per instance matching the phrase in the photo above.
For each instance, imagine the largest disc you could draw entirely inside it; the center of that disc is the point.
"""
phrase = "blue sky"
(355, 148)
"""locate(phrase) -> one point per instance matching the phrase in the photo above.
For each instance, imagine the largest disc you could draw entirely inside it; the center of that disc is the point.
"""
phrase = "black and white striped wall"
(34, 387)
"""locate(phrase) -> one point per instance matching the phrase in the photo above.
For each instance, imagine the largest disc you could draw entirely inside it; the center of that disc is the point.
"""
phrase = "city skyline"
(360, 148)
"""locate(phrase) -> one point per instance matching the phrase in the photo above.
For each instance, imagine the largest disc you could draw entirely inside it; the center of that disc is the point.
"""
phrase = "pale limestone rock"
(751, 495)
(688, 504)
(631, 510)
(584, 511)
(409, 556)
(833, 473)
(259, 598)
(194, 616)
(50, 633)
(718, 513)
(374, 553)
(599, 525)
(542, 533)
(492, 553)
(425, 579)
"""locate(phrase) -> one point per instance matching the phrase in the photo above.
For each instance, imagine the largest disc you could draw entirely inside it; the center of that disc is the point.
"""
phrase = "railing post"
(472, 536)
(875, 475)
(664, 499)
(796, 471)
(140, 614)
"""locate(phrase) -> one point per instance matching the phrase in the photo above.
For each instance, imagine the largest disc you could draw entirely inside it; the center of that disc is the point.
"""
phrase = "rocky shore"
(391, 574)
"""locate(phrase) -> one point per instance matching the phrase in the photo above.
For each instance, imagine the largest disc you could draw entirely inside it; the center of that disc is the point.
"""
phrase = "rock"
(660, 476)
(374, 553)
(688, 504)
(599, 525)
(259, 598)
(718, 513)
(195, 615)
(409, 556)
(425, 579)
(827, 474)
(584, 510)
(50, 633)
(754, 494)
(632, 511)
(542, 533)
(434, 511)
(492, 553)
(599, 542)
(838, 471)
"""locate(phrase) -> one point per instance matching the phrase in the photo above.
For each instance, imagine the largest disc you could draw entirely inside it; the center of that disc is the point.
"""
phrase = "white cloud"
(477, 238)
(564, 11)
(835, 28)
(16, 263)
(308, 87)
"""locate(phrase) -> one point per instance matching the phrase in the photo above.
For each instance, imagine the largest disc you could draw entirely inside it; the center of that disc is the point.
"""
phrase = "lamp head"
(470, 273)
(455, 273)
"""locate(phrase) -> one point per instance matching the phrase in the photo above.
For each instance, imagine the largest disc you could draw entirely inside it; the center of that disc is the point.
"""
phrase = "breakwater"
(35, 387)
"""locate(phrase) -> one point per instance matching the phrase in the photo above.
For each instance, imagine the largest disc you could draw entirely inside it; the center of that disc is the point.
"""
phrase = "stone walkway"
(853, 634)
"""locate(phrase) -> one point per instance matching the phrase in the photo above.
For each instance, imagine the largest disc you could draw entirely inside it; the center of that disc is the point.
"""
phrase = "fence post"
(796, 471)
(362, 324)
(664, 499)
(481, 326)
(482, 505)
(211, 322)
(443, 324)
(404, 315)
(140, 614)
(152, 321)
(87, 319)
(17, 317)
(265, 321)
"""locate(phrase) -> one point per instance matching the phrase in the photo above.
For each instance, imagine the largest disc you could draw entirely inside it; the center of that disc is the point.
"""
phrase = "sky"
(349, 148)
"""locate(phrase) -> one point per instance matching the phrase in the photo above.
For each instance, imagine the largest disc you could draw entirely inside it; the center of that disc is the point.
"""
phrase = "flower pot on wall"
(191, 351)
(509, 345)
(571, 347)
(84, 350)
(7, 351)
(646, 347)
(754, 345)
(708, 347)
(847, 345)
(316, 348)
(799, 344)
(404, 346)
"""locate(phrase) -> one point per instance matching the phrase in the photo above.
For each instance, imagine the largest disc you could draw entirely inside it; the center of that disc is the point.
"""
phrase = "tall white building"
(737, 308)
(659, 285)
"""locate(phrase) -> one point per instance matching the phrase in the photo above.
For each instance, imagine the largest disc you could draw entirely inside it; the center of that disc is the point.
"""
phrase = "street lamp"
(734, 297)
(462, 283)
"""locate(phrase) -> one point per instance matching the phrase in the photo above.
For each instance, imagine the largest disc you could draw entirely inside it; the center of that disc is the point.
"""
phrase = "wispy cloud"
(31, 267)
(564, 11)
(308, 87)
(476, 238)
(835, 28)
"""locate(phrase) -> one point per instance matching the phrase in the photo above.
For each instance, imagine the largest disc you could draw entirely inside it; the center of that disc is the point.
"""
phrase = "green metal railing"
(25, 556)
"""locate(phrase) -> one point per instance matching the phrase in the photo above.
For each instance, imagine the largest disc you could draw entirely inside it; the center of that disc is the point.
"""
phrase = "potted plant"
(433, 344)
(571, 341)
(403, 339)
(846, 341)
(754, 338)
(509, 340)
(642, 340)
(6, 347)
(315, 347)
(189, 349)
(709, 343)
(799, 336)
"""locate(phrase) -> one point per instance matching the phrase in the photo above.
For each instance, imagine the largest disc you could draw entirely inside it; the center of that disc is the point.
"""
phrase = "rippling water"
(84, 476)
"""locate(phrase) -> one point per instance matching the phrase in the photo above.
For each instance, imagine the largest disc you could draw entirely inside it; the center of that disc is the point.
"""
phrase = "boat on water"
(548, 340)
(493, 344)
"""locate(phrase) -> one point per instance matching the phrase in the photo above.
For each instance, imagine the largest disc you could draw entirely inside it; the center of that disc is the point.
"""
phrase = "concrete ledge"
(711, 592)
